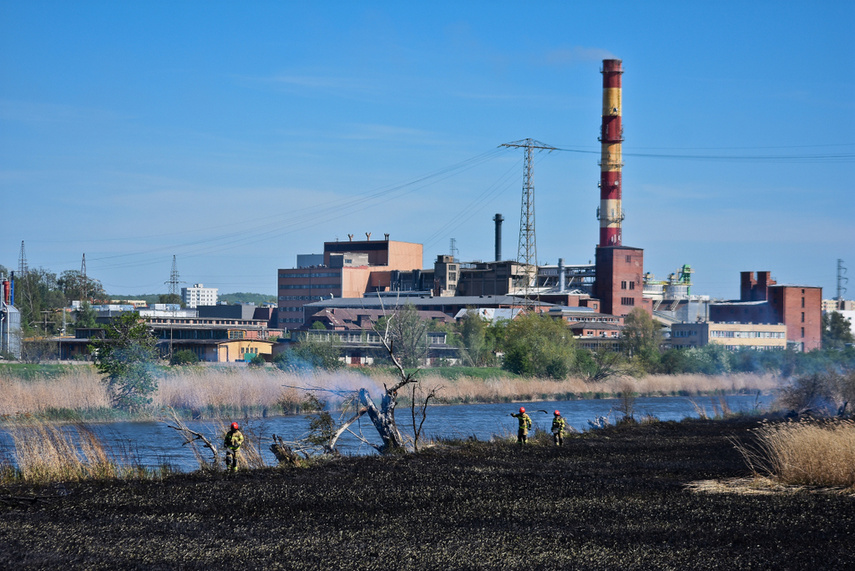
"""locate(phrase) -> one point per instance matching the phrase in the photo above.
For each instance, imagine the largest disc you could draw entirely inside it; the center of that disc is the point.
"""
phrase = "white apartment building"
(199, 295)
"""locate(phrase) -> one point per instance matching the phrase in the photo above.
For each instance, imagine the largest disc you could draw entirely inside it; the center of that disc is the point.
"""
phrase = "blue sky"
(235, 136)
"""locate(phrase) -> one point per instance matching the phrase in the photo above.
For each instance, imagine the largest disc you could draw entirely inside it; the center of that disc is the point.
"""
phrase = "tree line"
(536, 345)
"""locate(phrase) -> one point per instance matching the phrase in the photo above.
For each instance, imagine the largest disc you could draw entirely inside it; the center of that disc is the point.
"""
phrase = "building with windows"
(349, 270)
(199, 295)
(764, 301)
(761, 336)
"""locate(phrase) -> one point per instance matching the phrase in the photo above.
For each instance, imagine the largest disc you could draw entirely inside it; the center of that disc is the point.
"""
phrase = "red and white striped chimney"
(611, 136)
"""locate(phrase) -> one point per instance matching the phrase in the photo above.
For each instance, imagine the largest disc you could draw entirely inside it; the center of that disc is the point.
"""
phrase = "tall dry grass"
(46, 452)
(818, 453)
(80, 389)
(208, 392)
(468, 389)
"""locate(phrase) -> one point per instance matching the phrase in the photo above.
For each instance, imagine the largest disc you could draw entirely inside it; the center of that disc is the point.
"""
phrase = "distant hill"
(230, 298)
(245, 297)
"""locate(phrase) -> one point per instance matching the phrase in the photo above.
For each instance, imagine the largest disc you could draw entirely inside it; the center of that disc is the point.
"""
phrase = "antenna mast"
(841, 289)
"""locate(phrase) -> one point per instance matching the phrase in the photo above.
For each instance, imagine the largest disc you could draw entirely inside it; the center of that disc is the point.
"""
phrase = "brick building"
(763, 300)
(349, 270)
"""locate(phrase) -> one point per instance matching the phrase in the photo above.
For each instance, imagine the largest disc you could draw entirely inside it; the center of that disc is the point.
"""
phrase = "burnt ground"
(615, 499)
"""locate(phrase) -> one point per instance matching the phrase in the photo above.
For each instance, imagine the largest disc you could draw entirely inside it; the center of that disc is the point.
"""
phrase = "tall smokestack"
(611, 136)
(498, 219)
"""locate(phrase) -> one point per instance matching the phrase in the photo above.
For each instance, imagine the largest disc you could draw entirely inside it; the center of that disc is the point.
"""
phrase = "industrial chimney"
(609, 213)
(498, 219)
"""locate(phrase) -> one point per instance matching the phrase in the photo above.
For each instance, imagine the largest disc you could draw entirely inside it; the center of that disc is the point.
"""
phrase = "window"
(623, 285)
(631, 285)
(627, 301)
(803, 331)
(803, 316)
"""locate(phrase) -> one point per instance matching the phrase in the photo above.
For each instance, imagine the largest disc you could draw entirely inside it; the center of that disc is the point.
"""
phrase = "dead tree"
(191, 437)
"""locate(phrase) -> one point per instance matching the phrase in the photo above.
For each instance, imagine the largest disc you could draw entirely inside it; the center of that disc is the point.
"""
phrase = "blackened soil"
(617, 499)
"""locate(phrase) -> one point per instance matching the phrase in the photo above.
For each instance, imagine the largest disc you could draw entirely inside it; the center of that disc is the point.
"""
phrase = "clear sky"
(236, 135)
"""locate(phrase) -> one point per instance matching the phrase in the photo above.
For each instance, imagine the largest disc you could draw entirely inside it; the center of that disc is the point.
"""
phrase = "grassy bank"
(623, 498)
(202, 392)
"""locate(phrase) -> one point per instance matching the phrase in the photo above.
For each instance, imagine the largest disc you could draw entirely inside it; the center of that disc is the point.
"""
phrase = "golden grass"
(46, 452)
(207, 390)
(80, 389)
(469, 389)
(812, 452)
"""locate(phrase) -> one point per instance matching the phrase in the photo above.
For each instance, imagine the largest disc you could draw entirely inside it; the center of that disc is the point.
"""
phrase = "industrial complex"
(343, 291)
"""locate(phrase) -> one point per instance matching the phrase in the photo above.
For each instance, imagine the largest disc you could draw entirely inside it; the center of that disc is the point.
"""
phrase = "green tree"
(473, 334)
(836, 330)
(310, 354)
(641, 339)
(37, 295)
(85, 316)
(75, 285)
(172, 298)
(127, 357)
(537, 345)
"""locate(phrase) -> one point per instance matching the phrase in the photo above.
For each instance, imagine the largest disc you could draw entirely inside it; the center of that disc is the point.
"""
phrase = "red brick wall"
(619, 283)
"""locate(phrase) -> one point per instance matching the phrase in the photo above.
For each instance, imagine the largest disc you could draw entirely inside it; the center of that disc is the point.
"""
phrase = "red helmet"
(522, 409)
(235, 426)
(557, 413)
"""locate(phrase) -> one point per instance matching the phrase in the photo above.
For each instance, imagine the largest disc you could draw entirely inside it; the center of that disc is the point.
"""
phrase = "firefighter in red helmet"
(231, 444)
(558, 426)
(525, 425)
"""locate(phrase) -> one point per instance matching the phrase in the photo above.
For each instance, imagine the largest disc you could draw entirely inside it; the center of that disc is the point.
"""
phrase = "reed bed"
(208, 392)
(468, 389)
(78, 389)
(808, 452)
(46, 452)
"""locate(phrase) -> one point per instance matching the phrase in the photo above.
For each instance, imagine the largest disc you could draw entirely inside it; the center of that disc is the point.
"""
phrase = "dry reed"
(46, 452)
(818, 453)
(79, 389)
(212, 391)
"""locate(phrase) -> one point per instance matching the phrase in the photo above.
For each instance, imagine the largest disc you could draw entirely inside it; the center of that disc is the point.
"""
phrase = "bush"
(184, 357)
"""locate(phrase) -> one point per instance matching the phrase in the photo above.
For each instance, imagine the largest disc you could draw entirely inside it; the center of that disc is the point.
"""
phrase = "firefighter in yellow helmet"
(231, 444)
(525, 425)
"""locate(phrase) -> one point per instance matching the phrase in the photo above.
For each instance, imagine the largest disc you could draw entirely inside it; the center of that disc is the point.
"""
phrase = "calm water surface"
(153, 443)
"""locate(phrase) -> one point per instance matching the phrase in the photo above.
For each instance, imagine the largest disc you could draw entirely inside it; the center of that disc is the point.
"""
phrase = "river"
(153, 444)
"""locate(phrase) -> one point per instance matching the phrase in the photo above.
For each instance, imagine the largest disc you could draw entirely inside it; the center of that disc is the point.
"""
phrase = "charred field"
(620, 498)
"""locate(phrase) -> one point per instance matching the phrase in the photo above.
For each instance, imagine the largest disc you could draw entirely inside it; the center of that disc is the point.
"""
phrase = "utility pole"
(527, 249)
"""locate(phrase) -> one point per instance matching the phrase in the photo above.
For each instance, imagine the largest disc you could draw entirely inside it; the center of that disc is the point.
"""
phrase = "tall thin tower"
(527, 250)
(173, 281)
(610, 213)
(841, 279)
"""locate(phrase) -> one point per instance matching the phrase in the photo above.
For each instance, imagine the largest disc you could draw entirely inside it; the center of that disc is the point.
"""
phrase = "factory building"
(350, 269)
(763, 300)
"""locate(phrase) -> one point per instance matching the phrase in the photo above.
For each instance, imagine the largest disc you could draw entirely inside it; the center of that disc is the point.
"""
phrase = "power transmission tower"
(527, 249)
(173, 294)
(84, 283)
(173, 280)
(22, 262)
(841, 279)
(453, 249)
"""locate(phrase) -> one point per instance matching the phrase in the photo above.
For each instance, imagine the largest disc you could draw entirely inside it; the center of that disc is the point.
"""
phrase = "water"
(153, 443)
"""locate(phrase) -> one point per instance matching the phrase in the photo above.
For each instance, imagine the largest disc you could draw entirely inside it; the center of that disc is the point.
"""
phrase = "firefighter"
(525, 425)
(231, 443)
(558, 426)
